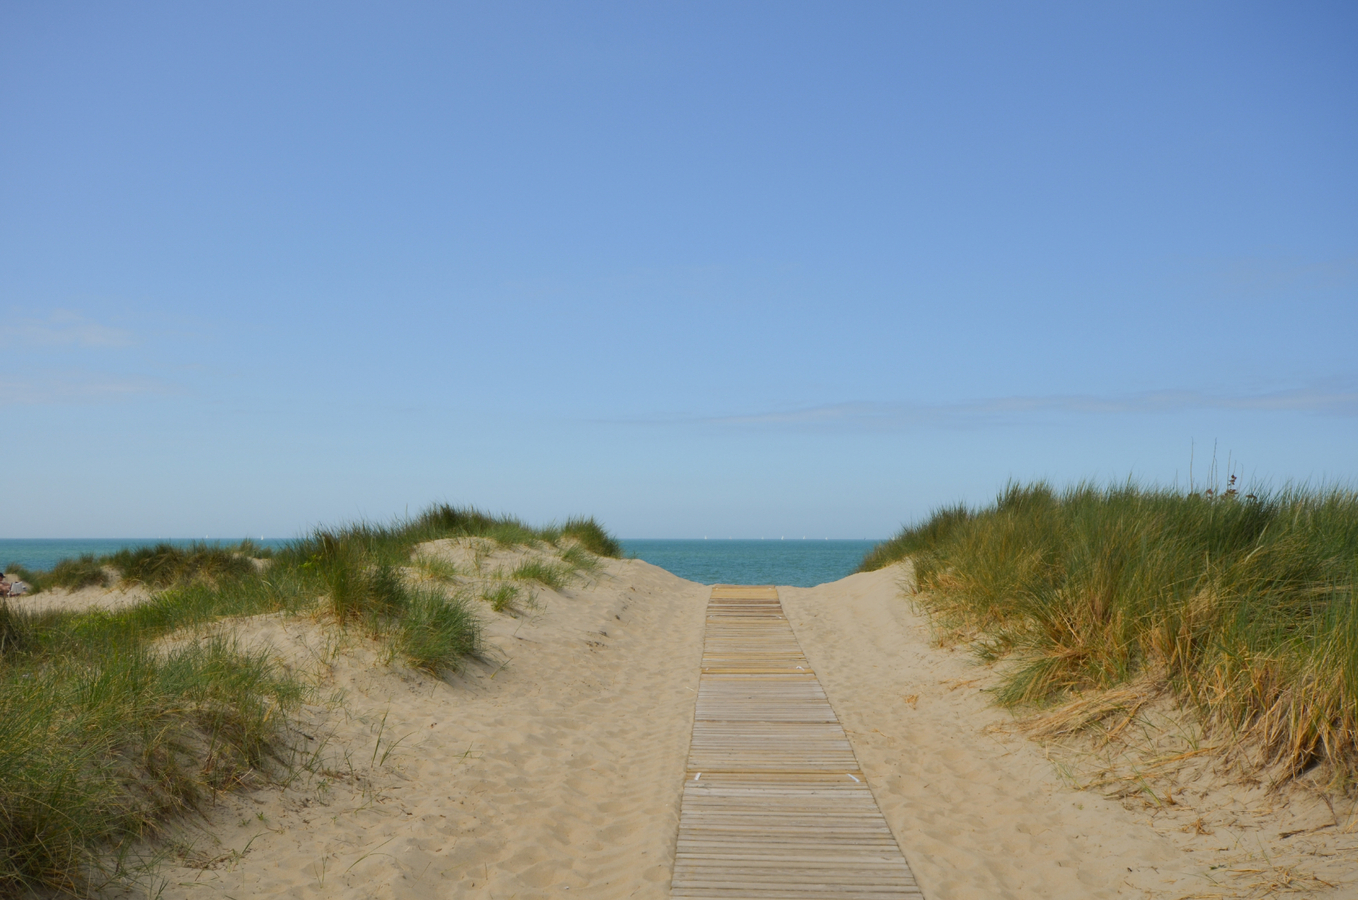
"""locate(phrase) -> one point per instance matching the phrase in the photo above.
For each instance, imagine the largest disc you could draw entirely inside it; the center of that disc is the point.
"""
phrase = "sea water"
(801, 563)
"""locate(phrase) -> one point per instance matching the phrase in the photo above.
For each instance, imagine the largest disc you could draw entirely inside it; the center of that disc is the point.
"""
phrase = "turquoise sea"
(803, 563)
(799, 563)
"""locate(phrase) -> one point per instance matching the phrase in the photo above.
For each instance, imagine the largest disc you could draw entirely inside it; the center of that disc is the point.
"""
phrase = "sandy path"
(559, 770)
(555, 766)
(979, 813)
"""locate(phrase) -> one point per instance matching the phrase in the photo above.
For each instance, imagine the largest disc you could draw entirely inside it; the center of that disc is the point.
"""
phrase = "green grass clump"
(578, 559)
(437, 568)
(192, 604)
(155, 566)
(544, 573)
(428, 629)
(435, 631)
(102, 739)
(444, 521)
(350, 588)
(592, 536)
(501, 597)
(86, 570)
(1242, 605)
(911, 540)
(356, 568)
(166, 564)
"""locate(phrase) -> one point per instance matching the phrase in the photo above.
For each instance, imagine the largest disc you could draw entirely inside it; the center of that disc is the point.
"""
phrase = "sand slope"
(65, 600)
(555, 764)
(983, 812)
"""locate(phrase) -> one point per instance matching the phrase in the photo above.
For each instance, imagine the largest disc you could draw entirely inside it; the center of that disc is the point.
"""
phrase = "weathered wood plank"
(774, 804)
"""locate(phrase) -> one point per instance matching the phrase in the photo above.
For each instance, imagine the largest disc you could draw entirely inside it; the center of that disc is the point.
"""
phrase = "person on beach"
(12, 588)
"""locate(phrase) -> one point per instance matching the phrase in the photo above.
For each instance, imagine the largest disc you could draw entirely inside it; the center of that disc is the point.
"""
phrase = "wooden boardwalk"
(775, 806)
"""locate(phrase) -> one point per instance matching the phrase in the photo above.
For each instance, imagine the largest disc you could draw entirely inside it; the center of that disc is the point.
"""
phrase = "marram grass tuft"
(1244, 606)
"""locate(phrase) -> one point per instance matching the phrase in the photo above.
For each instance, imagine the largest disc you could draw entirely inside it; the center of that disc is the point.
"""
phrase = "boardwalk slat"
(774, 804)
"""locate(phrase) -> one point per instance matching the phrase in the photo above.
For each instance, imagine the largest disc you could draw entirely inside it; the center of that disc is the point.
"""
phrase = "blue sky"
(697, 269)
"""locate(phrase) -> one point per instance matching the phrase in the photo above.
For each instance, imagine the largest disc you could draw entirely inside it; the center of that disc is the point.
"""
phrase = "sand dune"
(981, 811)
(553, 766)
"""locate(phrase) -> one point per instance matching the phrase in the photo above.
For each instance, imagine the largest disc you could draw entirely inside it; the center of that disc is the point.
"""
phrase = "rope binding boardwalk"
(775, 806)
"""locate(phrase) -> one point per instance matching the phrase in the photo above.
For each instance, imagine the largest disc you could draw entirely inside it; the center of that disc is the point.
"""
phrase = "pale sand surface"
(555, 764)
(982, 811)
(66, 600)
(553, 767)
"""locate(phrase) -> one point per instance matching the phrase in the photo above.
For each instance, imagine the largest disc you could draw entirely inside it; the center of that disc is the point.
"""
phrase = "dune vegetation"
(107, 729)
(1243, 606)
(157, 566)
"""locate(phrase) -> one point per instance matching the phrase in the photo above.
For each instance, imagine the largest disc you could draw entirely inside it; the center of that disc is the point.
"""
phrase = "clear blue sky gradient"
(752, 269)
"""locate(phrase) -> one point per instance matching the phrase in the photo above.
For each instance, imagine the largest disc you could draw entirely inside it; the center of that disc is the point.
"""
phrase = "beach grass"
(1242, 605)
(592, 536)
(501, 596)
(444, 521)
(165, 564)
(102, 737)
(547, 574)
(82, 571)
(157, 566)
(106, 730)
(434, 631)
(576, 558)
(436, 568)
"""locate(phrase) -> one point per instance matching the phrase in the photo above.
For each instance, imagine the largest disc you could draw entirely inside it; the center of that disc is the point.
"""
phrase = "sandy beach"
(982, 810)
(552, 766)
(410, 411)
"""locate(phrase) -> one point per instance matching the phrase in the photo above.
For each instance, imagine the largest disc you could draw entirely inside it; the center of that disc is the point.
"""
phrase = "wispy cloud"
(64, 328)
(83, 388)
(1019, 409)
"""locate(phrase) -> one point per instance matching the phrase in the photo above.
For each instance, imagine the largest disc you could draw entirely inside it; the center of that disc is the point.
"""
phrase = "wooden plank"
(744, 592)
(774, 804)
